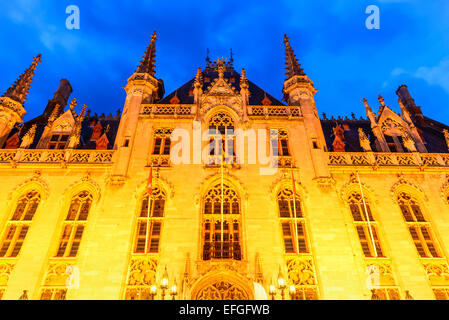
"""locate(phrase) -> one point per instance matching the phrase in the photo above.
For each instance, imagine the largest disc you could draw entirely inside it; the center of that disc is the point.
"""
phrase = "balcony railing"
(56, 156)
(388, 159)
(253, 111)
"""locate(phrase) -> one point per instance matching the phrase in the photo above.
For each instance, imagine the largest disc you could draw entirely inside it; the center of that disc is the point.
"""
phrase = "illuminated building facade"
(356, 208)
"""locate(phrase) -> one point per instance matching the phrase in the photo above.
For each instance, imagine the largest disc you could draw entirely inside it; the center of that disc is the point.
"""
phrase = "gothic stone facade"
(353, 200)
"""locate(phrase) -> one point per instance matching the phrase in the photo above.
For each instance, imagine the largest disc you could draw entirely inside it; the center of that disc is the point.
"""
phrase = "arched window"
(221, 138)
(292, 222)
(365, 225)
(149, 223)
(19, 224)
(74, 225)
(420, 230)
(221, 224)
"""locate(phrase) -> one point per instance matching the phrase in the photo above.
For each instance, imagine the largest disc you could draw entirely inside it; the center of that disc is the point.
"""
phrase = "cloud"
(437, 75)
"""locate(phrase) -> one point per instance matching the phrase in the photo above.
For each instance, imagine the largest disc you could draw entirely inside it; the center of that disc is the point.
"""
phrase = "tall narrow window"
(74, 225)
(18, 226)
(420, 230)
(162, 143)
(149, 223)
(222, 138)
(365, 225)
(292, 222)
(221, 224)
(279, 142)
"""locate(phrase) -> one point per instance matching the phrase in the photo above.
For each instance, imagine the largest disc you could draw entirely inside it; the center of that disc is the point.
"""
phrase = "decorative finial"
(208, 62)
(381, 101)
(220, 66)
(82, 113)
(73, 104)
(367, 107)
(243, 80)
(231, 60)
(198, 78)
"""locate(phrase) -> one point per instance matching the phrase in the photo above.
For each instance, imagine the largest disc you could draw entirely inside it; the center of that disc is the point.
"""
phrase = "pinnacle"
(292, 67)
(148, 62)
(19, 90)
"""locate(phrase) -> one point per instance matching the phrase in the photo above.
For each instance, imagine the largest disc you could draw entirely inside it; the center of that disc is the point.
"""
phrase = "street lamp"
(153, 292)
(164, 283)
(292, 290)
(281, 284)
(174, 291)
(272, 291)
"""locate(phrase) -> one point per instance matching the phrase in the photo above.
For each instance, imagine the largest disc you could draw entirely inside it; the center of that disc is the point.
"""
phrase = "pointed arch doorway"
(223, 286)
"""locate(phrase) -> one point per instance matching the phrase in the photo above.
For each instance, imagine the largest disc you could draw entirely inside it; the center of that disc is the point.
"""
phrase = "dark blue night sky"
(346, 61)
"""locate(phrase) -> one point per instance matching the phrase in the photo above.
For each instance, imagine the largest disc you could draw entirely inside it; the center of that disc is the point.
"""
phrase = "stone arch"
(222, 285)
(229, 179)
(84, 184)
(221, 108)
(404, 185)
(286, 183)
(35, 183)
(165, 186)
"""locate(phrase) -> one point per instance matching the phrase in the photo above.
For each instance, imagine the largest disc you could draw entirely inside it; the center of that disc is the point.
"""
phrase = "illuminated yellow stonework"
(329, 260)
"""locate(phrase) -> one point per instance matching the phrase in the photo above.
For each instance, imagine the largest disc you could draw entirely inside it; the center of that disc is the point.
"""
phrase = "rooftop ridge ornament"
(148, 63)
(19, 90)
(220, 62)
(292, 67)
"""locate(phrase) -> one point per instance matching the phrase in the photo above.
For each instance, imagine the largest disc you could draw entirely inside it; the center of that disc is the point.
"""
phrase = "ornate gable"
(391, 123)
(64, 123)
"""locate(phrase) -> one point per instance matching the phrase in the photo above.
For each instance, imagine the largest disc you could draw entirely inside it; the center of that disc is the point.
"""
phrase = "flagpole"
(367, 216)
(294, 210)
(149, 206)
(222, 217)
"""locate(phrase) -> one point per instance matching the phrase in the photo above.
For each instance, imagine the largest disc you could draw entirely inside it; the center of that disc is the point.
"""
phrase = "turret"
(142, 88)
(299, 91)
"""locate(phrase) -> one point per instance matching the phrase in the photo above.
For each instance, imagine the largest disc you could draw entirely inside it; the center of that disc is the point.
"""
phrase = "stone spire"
(19, 90)
(148, 63)
(292, 67)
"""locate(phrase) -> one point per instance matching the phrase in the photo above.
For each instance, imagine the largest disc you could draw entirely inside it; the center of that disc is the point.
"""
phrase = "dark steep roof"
(256, 93)
(432, 133)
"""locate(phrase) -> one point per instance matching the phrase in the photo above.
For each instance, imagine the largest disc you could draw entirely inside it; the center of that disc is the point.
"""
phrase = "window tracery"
(365, 225)
(420, 229)
(221, 224)
(149, 223)
(221, 138)
(18, 226)
(74, 225)
(290, 213)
